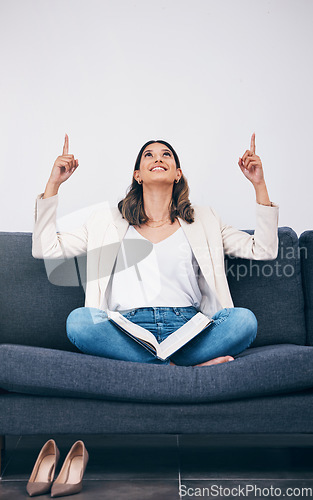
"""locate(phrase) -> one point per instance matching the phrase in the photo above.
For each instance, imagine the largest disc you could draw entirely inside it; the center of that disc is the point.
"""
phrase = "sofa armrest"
(2, 448)
(306, 253)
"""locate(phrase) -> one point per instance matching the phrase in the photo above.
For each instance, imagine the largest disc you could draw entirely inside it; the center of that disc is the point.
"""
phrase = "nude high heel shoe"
(42, 475)
(70, 478)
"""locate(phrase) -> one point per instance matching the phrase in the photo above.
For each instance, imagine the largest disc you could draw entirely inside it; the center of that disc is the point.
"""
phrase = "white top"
(157, 274)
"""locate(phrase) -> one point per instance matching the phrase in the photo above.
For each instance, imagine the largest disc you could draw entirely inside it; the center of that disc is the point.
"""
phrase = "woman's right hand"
(64, 166)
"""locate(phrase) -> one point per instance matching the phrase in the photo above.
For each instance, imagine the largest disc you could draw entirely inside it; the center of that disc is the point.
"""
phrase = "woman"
(185, 273)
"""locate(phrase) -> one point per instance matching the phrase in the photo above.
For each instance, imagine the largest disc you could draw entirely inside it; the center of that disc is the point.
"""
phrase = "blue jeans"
(232, 331)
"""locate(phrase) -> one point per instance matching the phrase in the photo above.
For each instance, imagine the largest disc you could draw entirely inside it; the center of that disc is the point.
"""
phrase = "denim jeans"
(232, 331)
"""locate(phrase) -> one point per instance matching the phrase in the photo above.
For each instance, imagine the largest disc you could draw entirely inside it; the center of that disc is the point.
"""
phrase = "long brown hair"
(132, 207)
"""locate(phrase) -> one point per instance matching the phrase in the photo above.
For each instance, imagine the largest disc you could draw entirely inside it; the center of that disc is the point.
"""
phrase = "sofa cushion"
(272, 289)
(256, 372)
(306, 249)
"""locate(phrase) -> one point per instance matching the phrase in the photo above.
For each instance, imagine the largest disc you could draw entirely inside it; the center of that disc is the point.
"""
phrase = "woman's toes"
(230, 358)
(216, 361)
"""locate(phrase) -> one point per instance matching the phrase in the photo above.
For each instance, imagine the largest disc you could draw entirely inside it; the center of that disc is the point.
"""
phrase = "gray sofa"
(48, 386)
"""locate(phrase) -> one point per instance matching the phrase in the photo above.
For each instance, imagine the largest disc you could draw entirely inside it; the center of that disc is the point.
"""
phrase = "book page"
(136, 330)
(172, 343)
(185, 333)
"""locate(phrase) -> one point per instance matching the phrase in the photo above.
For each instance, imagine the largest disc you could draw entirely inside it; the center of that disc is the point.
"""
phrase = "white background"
(113, 74)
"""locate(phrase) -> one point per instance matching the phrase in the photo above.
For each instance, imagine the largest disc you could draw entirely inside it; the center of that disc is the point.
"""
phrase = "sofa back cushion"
(34, 311)
(272, 289)
(306, 249)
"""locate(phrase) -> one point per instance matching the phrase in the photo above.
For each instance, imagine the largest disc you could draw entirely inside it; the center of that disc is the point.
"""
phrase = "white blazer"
(103, 231)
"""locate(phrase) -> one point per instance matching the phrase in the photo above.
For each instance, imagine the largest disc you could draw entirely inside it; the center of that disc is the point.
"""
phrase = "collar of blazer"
(195, 234)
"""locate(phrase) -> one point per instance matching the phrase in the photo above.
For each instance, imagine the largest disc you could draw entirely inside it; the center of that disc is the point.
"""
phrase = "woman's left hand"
(251, 165)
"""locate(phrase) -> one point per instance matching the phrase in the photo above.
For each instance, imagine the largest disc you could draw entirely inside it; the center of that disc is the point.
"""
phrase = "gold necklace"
(161, 220)
(153, 227)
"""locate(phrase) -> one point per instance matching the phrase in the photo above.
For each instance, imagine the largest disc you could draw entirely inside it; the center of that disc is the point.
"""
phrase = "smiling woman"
(159, 190)
(183, 274)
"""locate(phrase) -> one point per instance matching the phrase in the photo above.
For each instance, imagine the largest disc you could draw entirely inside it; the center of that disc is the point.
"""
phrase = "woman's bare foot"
(216, 361)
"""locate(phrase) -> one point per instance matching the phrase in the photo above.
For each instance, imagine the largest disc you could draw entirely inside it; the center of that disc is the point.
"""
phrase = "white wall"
(201, 74)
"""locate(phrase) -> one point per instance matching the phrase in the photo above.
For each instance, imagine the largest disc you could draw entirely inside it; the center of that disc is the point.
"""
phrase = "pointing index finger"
(65, 147)
(252, 144)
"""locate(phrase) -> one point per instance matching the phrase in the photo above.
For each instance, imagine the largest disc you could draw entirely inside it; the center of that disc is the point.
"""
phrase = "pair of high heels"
(70, 478)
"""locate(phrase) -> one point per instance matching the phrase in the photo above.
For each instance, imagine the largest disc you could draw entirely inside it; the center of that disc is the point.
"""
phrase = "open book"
(168, 346)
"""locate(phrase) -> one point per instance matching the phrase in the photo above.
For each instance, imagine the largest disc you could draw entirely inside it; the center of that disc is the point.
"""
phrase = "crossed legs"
(232, 331)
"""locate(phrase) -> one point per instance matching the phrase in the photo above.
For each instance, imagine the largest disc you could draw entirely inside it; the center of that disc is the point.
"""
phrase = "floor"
(172, 467)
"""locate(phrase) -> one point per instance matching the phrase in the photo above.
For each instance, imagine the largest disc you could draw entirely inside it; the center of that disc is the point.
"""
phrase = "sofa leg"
(2, 448)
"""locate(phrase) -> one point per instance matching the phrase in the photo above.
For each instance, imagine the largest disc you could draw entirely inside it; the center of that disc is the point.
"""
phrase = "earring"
(177, 180)
(139, 182)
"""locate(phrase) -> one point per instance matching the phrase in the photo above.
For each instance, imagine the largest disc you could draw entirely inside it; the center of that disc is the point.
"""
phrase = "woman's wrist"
(51, 189)
(262, 195)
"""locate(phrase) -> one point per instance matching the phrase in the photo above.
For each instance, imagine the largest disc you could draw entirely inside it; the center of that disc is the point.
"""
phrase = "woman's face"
(157, 165)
